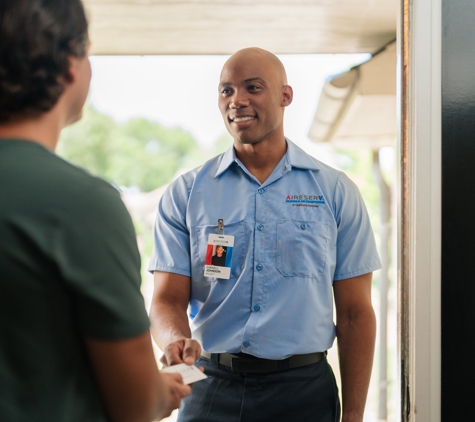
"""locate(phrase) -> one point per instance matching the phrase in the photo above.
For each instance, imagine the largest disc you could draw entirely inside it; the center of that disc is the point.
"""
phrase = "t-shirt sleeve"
(356, 247)
(96, 250)
(171, 252)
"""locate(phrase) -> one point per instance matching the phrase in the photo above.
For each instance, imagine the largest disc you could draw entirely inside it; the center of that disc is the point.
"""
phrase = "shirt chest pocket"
(241, 238)
(301, 249)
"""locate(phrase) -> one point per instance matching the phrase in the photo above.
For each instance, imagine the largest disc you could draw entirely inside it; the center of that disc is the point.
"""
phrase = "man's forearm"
(356, 339)
(168, 313)
(129, 382)
(169, 324)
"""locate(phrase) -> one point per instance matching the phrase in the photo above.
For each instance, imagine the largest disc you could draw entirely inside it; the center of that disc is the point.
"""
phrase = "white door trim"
(419, 91)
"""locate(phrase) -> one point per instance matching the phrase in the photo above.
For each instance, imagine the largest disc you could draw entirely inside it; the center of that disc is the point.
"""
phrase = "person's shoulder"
(59, 190)
(333, 176)
(333, 182)
(303, 159)
(29, 163)
(72, 184)
(338, 178)
(328, 171)
(84, 195)
(325, 173)
(75, 181)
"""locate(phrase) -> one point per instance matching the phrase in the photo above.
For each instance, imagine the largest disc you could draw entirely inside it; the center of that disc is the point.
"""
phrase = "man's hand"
(177, 391)
(181, 351)
(130, 384)
(168, 314)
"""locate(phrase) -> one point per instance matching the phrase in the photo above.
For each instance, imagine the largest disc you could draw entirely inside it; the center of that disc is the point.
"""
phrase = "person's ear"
(287, 95)
(70, 75)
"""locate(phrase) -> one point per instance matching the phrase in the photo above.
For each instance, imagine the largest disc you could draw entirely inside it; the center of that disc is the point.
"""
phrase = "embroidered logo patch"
(305, 200)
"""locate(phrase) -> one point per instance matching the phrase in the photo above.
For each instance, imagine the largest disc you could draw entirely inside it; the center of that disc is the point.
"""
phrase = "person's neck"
(261, 158)
(44, 129)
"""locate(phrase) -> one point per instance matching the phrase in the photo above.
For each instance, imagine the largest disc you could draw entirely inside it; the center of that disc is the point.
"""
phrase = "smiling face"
(253, 93)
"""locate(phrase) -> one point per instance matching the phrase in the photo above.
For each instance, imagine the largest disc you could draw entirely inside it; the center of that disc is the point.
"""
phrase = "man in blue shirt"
(300, 236)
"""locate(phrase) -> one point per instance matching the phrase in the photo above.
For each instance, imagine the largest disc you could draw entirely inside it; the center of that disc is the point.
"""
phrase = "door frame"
(419, 208)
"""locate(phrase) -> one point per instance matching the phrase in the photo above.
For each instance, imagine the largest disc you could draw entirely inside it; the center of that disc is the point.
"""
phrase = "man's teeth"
(243, 119)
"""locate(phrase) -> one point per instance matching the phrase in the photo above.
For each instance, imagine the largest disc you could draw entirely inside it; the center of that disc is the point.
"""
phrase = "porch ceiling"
(149, 27)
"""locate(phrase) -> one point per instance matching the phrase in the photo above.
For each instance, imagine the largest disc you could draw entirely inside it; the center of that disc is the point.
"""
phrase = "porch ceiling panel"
(147, 27)
(358, 108)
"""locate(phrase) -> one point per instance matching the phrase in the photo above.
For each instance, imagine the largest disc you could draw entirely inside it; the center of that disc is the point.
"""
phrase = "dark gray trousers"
(306, 394)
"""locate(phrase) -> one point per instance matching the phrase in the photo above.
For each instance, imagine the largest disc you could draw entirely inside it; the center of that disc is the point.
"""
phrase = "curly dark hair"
(36, 39)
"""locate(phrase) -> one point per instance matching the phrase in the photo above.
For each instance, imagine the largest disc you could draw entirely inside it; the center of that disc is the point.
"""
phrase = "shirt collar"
(227, 159)
(296, 157)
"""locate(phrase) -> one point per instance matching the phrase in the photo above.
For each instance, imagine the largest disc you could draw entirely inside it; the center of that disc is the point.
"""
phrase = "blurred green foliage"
(222, 144)
(139, 153)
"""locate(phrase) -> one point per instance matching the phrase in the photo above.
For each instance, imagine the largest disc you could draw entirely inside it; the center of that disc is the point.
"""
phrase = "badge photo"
(219, 255)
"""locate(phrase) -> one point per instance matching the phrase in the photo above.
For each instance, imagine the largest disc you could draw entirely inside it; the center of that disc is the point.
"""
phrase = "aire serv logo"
(305, 200)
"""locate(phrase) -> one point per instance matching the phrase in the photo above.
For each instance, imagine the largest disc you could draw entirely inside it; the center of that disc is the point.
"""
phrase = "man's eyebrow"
(257, 78)
(254, 79)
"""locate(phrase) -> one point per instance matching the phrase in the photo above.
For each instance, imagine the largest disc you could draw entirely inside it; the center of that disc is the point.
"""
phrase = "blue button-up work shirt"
(305, 227)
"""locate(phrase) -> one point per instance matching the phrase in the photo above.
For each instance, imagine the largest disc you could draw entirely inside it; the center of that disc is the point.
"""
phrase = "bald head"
(258, 56)
(253, 94)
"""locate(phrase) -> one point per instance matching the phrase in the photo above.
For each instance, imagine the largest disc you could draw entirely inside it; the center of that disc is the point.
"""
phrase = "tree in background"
(222, 145)
(137, 154)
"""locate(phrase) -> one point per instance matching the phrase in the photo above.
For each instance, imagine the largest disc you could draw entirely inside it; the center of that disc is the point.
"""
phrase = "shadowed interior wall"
(458, 210)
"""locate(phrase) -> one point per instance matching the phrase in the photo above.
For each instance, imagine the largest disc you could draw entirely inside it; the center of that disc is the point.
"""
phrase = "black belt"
(242, 362)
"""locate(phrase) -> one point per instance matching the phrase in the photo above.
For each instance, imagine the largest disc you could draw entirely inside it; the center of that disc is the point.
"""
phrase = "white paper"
(189, 373)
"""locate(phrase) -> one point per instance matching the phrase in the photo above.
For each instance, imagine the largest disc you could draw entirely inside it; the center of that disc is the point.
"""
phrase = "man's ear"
(70, 75)
(287, 95)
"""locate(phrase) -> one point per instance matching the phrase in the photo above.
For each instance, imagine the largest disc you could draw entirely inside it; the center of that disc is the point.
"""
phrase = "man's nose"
(239, 100)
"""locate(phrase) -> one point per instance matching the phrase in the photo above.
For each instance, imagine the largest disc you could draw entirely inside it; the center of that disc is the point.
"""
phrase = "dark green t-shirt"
(69, 269)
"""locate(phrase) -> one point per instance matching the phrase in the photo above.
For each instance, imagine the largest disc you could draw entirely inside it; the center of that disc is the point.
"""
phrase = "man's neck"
(260, 159)
(44, 130)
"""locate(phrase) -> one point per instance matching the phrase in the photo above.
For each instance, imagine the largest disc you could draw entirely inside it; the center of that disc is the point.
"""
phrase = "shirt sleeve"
(356, 248)
(96, 250)
(171, 252)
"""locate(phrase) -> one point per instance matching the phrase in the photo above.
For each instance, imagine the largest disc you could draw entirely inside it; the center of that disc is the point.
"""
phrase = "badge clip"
(221, 226)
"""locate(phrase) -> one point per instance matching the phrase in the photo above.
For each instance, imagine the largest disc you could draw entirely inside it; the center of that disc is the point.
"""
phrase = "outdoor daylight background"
(149, 119)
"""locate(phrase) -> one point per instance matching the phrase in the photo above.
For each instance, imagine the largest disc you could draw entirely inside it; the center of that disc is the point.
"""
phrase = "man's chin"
(244, 140)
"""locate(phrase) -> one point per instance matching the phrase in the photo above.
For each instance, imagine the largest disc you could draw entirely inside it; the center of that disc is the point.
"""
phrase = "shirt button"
(257, 308)
(284, 168)
(261, 190)
(246, 343)
(260, 227)
(303, 226)
(259, 267)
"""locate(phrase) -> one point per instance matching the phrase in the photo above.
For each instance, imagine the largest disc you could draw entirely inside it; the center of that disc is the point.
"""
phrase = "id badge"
(219, 256)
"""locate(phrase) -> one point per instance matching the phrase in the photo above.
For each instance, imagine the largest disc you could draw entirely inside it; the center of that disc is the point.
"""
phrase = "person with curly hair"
(74, 333)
